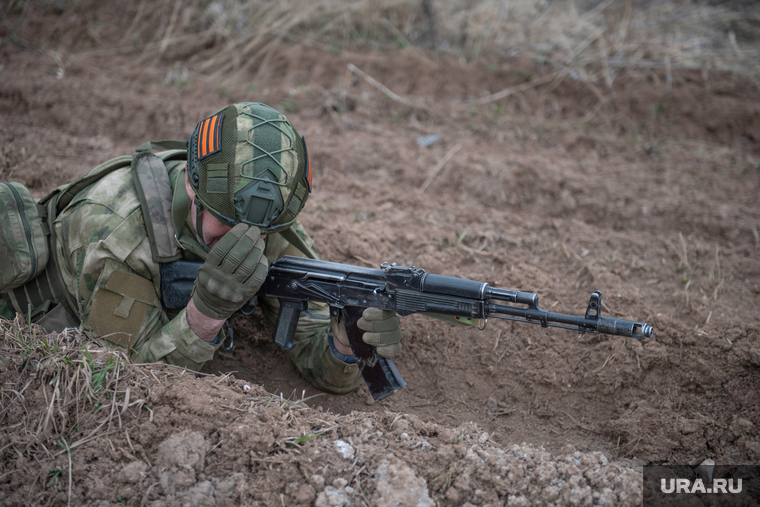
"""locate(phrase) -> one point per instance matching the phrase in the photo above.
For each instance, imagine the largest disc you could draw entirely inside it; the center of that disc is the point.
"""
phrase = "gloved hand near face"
(381, 329)
(232, 274)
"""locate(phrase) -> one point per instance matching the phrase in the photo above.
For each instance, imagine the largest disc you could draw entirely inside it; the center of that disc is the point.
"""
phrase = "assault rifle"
(406, 290)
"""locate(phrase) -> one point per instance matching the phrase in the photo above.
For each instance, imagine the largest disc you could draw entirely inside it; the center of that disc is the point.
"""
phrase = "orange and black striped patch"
(210, 136)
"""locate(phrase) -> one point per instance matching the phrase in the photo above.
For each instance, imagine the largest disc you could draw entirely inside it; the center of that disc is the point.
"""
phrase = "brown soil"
(652, 198)
(173, 438)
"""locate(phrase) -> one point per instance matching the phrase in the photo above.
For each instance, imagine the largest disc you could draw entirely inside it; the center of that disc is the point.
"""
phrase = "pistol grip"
(287, 321)
(380, 374)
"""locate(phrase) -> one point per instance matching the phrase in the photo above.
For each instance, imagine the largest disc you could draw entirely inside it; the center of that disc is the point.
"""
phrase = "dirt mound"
(86, 428)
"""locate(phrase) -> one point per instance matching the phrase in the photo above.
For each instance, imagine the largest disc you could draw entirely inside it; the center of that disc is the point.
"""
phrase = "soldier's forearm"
(176, 343)
(205, 327)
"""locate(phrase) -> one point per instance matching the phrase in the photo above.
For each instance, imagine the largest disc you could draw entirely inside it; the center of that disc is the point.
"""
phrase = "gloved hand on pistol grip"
(232, 274)
(381, 330)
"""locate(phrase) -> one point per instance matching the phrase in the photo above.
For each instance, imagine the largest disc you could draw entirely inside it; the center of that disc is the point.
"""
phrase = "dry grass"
(591, 41)
(87, 390)
(595, 40)
(75, 374)
(60, 392)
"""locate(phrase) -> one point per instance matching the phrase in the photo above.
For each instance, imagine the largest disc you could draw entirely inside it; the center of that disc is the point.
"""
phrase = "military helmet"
(246, 163)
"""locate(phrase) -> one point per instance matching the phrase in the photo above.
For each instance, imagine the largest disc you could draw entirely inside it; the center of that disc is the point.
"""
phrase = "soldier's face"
(213, 229)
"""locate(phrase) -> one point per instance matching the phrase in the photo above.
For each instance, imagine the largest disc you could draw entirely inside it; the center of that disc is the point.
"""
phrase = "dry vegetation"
(586, 41)
(84, 386)
(593, 39)
(224, 39)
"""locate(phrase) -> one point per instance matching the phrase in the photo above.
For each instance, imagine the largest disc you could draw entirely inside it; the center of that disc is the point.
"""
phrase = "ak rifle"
(348, 290)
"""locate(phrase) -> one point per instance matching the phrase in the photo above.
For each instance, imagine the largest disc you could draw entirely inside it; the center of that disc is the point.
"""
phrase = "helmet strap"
(199, 223)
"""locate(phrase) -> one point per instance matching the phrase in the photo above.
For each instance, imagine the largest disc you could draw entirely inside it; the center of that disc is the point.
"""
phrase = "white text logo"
(686, 486)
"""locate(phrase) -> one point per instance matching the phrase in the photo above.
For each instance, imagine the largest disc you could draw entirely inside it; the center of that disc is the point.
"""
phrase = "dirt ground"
(652, 197)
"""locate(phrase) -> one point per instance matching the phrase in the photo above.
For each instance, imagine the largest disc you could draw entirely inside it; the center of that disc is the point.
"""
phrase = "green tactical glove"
(382, 331)
(232, 274)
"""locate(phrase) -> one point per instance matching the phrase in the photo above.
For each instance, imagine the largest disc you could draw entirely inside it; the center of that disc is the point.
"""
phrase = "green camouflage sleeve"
(311, 353)
(102, 239)
(176, 343)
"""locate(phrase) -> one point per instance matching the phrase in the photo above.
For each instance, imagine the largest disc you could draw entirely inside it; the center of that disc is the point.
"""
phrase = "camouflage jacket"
(105, 258)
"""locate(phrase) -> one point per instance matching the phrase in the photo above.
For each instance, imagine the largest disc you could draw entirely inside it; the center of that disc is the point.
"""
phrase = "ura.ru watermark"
(703, 484)
(722, 486)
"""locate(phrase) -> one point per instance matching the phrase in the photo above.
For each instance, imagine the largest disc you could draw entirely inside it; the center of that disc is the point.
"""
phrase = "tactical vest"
(43, 296)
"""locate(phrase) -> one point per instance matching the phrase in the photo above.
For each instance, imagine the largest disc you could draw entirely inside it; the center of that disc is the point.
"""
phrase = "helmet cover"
(247, 164)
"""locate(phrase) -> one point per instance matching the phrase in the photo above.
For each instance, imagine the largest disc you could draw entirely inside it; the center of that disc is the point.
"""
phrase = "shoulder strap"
(57, 283)
(155, 193)
(294, 239)
(66, 193)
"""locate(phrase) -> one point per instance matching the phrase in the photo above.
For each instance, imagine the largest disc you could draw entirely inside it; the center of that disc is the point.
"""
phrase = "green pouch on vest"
(23, 246)
(120, 306)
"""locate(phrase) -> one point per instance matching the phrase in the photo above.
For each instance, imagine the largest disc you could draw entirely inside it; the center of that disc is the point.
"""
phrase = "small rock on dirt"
(397, 485)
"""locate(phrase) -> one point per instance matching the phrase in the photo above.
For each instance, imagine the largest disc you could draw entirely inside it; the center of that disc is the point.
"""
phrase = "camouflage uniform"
(102, 232)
